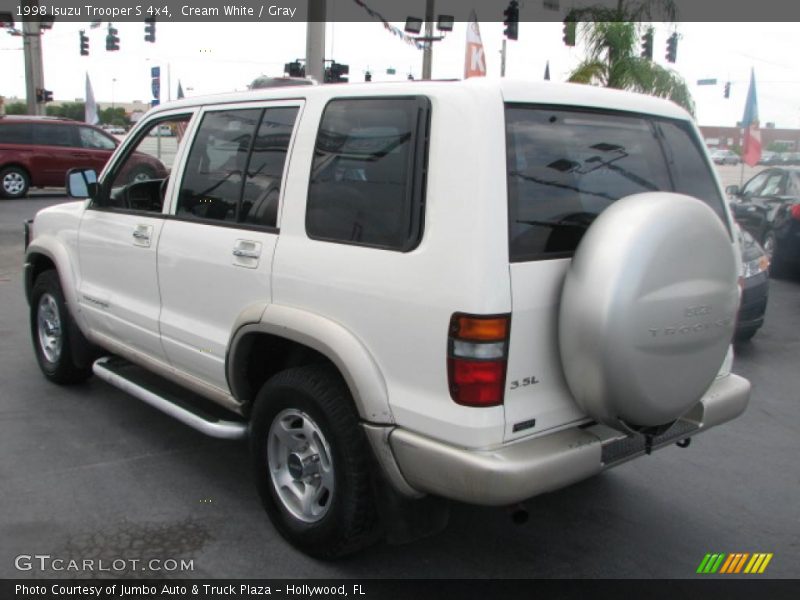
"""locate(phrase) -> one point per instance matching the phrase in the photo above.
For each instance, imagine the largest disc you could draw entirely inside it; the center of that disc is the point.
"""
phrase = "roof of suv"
(569, 94)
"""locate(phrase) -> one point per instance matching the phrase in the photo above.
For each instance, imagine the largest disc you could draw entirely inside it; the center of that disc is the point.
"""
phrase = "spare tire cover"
(648, 309)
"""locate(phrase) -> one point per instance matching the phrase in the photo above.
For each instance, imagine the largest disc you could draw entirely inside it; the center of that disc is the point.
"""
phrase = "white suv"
(475, 290)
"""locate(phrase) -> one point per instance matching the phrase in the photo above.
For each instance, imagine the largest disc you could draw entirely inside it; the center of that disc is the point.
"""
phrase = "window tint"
(138, 181)
(262, 185)
(15, 133)
(752, 186)
(565, 167)
(773, 185)
(366, 183)
(91, 138)
(47, 134)
(212, 183)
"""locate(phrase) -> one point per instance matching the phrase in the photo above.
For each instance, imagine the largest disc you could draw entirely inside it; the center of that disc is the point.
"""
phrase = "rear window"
(565, 166)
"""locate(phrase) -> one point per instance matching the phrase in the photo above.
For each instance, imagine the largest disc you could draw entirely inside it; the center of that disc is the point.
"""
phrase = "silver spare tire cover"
(648, 309)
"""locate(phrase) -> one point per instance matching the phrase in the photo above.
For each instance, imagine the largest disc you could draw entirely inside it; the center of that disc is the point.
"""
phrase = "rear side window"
(566, 166)
(15, 133)
(367, 177)
(235, 167)
(47, 134)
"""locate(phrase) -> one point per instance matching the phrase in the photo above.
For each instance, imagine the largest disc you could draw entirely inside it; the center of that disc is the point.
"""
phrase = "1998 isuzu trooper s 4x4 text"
(403, 294)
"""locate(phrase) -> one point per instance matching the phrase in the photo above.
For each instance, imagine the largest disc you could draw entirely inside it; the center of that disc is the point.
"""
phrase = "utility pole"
(34, 72)
(427, 53)
(503, 59)
(315, 40)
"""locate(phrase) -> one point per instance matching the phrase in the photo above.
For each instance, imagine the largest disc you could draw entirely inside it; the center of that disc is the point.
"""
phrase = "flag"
(751, 149)
(475, 60)
(90, 110)
(547, 71)
(180, 90)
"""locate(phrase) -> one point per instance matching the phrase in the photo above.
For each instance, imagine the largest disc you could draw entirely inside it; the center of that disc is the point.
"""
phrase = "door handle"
(141, 235)
(246, 253)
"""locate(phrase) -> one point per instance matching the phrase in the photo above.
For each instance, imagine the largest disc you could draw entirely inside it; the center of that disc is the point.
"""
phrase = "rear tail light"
(477, 353)
(796, 212)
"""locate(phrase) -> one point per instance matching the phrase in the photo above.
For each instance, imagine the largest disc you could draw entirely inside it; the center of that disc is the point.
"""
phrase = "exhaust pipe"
(519, 514)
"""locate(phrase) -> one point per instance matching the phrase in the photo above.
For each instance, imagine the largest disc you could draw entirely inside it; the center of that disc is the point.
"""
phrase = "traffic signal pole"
(34, 71)
(315, 40)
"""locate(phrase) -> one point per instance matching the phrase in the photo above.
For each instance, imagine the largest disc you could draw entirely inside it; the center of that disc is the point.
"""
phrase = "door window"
(49, 134)
(139, 180)
(94, 140)
(235, 167)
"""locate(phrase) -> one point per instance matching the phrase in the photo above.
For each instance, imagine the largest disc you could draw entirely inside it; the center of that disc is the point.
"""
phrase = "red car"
(38, 152)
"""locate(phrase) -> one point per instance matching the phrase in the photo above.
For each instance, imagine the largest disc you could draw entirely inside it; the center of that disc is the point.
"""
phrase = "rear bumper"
(520, 470)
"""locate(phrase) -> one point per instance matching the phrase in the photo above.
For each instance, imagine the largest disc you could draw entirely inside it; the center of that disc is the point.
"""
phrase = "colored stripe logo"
(736, 562)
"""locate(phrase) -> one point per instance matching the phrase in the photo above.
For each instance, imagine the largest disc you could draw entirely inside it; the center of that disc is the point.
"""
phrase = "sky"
(211, 58)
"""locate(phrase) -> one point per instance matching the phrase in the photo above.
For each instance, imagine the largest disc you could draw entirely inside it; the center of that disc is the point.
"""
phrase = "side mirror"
(81, 183)
(732, 190)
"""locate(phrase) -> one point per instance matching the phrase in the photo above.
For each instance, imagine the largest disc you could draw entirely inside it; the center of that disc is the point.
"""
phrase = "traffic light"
(43, 95)
(337, 73)
(46, 21)
(570, 28)
(294, 69)
(367, 76)
(728, 89)
(84, 43)
(511, 20)
(647, 44)
(672, 47)
(112, 39)
(150, 30)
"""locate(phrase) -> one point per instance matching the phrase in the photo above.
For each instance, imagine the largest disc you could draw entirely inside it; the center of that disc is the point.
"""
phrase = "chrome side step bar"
(112, 370)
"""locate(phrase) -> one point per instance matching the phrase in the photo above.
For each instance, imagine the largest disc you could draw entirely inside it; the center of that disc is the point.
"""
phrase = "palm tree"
(612, 38)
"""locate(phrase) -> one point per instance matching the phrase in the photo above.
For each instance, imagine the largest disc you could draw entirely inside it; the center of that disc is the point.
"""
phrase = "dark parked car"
(755, 287)
(768, 207)
(38, 152)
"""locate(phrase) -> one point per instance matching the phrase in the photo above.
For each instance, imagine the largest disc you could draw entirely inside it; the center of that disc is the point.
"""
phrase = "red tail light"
(476, 358)
(796, 212)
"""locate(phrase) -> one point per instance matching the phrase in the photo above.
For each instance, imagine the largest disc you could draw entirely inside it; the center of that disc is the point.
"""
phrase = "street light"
(414, 25)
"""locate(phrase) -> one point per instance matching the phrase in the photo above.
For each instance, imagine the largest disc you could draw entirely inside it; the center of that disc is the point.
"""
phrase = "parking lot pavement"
(88, 472)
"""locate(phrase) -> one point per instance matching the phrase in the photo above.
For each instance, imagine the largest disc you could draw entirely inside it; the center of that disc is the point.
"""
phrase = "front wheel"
(60, 347)
(310, 460)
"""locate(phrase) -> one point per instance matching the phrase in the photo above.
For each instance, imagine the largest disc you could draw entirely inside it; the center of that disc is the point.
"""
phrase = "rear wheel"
(14, 182)
(61, 350)
(310, 460)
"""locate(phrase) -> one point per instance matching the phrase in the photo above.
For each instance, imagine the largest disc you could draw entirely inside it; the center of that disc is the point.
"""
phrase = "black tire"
(14, 182)
(347, 519)
(71, 362)
(744, 336)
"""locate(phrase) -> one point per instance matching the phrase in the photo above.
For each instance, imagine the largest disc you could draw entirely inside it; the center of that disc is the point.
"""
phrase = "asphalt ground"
(87, 472)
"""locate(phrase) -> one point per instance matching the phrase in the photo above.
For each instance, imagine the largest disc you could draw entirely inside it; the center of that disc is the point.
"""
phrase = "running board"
(165, 396)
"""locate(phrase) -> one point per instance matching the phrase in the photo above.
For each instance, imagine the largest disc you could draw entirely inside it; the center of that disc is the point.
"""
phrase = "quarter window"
(367, 175)
(15, 133)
